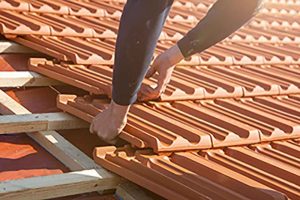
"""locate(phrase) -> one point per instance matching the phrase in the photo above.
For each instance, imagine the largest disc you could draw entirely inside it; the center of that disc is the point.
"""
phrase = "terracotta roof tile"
(14, 5)
(84, 51)
(200, 82)
(245, 93)
(78, 50)
(100, 51)
(156, 130)
(26, 23)
(258, 172)
(95, 79)
(186, 125)
(71, 7)
(100, 19)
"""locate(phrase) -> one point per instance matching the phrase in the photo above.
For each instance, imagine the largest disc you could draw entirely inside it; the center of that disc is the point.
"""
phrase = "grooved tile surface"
(200, 82)
(146, 126)
(100, 51)
(268, 171)
(84, 32)
(186, 125)
(26, 23)
(229, 126)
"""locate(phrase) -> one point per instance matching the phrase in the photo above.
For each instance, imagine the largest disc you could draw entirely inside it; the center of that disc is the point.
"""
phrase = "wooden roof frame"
(85, 176)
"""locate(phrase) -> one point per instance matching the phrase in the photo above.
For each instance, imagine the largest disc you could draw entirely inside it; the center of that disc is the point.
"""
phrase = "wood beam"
(46, 187)
(60, 148)
(25, 79)
(52, 141)
(131, 191)
(39, 122)
(12, 47)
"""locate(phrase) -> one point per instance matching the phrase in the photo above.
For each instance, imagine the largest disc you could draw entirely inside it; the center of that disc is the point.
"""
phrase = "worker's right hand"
(110, 122)
(164, 65)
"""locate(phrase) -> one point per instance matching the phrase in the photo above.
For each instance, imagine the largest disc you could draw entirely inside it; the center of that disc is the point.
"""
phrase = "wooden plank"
(39, 122)
(12, 47)
(53, 142)
(46, 187)
(60, 148)
(9, 106)
(131, 191)
(25, 78)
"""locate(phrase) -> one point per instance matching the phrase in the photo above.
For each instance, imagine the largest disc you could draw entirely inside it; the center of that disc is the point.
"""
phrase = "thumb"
(154, 67)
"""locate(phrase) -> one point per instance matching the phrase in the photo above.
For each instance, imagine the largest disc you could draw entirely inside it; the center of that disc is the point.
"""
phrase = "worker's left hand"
(164, 65)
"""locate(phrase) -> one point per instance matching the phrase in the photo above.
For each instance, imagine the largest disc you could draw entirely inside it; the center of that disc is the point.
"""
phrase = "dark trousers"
(140, 27)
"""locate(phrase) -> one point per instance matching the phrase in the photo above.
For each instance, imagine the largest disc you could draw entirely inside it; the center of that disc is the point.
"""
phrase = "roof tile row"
(254, 44)
(259, 172)
(199, 125)
(100, 51)
(271, 4)
(200, 82)
(47, 23)
(258, 61)
(282, 32)
(26, 23)
(70, 7)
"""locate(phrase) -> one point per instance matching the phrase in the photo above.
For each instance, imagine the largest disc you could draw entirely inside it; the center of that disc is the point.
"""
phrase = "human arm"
(224, 18)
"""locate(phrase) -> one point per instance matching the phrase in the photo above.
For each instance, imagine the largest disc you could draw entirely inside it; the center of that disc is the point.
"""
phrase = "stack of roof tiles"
(228, 124)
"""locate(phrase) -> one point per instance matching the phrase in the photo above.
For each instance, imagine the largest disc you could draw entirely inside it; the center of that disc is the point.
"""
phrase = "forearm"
(224, 18)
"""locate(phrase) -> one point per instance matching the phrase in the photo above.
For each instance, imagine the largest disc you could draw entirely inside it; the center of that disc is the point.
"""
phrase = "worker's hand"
(109, 123)
(164, 65)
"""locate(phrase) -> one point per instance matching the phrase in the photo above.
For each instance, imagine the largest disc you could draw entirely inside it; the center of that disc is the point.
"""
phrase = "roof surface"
(228, 125)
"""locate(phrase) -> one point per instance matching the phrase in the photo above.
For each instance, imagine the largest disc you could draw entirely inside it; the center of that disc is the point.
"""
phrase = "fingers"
(148, 93)
(144, 93)
(154, 67)
(151, 71)
(164, 68)
(91, 128)
(163, 80)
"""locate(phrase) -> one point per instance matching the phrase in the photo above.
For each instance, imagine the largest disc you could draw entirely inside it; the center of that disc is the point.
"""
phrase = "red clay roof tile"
(99, 51)
(258, 172)
(71, 7)
(88, 24)
(155, 130)
(199, 82)
(14, 5)
(186, 125)
(250, 67)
